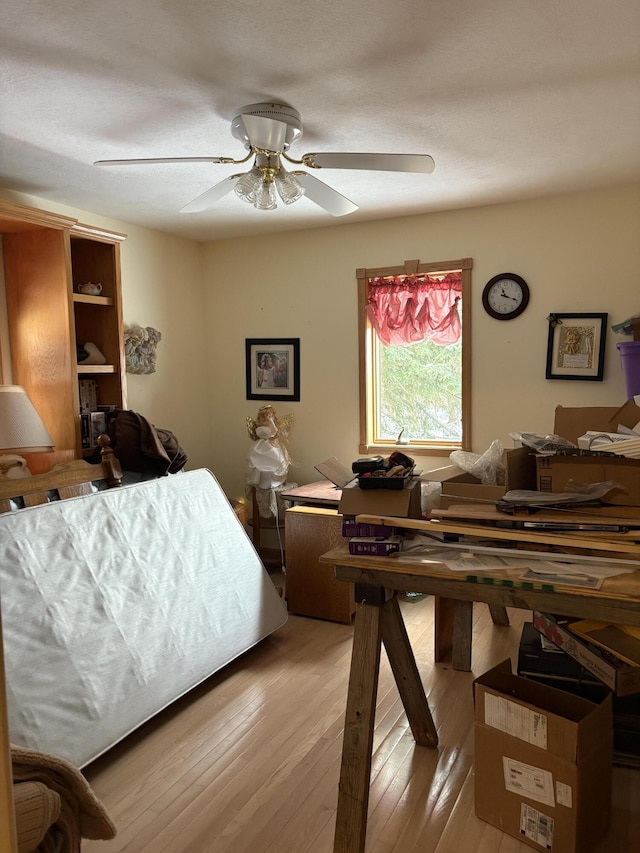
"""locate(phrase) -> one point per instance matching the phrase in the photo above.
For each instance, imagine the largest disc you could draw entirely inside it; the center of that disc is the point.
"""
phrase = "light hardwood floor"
(249, 761)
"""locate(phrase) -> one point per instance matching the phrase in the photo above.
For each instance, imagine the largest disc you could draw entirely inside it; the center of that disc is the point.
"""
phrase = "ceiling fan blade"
(266, 133)
(160, 160)
(325, 196)
(211, 196)
(374, 162)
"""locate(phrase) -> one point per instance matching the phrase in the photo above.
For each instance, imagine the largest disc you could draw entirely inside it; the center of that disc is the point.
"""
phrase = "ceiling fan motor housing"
(277, 112)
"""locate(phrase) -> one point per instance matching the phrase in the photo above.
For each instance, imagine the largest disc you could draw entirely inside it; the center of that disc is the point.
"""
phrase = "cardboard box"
(571, 423)
(459, 486)
(455, 492)
(543, 762)
(618, 676)
(554, 472)
(401, 503)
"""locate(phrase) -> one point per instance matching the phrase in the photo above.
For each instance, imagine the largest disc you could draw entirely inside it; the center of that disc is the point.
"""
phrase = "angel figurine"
(268, 461)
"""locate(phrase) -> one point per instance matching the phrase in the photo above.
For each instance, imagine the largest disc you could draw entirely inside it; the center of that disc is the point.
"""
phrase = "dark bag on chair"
(144, 448)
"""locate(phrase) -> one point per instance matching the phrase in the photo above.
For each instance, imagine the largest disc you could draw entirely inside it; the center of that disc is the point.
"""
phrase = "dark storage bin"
(383, 482)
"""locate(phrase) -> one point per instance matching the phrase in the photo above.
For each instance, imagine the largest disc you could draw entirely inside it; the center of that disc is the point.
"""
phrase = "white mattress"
(116, 603)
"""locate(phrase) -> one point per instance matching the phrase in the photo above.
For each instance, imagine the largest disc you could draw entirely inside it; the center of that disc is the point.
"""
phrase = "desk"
(322, 493)
(378, 619)
(312, 588)
(312, 526)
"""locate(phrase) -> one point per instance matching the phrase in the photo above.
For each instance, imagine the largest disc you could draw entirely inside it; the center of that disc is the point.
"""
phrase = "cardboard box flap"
(520, 464)
(574, 708)
(572, 422)
(503, 668)
(448, 472)
(570, 719)
(594, 728)
(520, 472)
(627, 415)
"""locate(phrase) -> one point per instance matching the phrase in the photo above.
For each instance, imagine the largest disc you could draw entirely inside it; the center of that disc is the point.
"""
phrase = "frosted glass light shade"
(247, 186)
(288, 186)
(266, 197)
(21, 429)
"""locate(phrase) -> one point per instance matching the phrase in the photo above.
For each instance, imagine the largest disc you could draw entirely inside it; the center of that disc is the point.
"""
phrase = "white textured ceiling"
(512, 98)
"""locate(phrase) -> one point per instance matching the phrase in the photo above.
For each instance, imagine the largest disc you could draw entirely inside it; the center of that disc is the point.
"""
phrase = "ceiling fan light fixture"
(248, 185)
(265, 198)
(288, 186)
(267, 130)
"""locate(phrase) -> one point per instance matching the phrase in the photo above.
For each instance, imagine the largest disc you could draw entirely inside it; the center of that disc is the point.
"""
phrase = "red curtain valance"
(407, 309)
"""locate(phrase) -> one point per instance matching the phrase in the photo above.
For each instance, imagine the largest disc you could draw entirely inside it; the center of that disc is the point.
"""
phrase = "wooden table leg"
(462, 635)
(405, 672)
(499, 614)
(453, 630)
(355, 770)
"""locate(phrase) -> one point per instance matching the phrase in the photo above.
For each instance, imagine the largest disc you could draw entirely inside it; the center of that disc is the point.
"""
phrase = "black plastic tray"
(383, 482)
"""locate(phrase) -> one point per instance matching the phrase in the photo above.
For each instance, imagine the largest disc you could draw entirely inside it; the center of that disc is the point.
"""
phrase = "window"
(414, 357)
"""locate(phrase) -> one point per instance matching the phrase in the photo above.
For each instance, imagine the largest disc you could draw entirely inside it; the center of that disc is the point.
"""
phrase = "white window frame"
(367, 364)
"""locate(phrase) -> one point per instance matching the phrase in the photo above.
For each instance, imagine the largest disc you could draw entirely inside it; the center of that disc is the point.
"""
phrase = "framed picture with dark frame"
(273, 368)
(575, 349)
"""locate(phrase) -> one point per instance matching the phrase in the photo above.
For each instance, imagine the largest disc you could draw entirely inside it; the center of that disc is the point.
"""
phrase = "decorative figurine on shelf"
(89, 354)
(90, 289)
(268, 460)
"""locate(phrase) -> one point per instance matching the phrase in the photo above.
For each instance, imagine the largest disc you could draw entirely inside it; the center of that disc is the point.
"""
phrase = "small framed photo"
(273, 368)
(575, 349)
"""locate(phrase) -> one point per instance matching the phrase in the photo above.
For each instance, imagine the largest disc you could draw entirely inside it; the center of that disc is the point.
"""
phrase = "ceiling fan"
(267, 131)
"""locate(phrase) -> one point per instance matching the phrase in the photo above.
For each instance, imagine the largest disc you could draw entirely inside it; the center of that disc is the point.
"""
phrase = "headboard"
(68, 479)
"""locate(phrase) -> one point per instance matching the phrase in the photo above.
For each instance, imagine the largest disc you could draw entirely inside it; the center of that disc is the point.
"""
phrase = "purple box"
(350, 528)
(375, 546)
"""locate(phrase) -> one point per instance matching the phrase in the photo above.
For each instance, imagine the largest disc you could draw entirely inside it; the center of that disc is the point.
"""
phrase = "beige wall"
(578, 252)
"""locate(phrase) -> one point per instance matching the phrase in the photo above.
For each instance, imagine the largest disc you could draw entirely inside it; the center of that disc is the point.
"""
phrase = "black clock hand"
(506, 295)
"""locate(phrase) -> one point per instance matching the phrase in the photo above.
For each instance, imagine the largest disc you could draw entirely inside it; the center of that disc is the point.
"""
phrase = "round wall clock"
(505, 296)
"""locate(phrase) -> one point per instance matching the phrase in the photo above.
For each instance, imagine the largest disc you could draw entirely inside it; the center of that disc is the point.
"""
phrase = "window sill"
(409, 449)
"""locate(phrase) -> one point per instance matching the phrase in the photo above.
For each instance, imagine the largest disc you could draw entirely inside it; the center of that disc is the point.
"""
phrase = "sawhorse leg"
(378, 619)
(453, 630)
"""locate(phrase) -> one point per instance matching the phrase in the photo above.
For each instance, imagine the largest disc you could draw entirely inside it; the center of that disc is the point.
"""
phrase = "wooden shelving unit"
(46, 257)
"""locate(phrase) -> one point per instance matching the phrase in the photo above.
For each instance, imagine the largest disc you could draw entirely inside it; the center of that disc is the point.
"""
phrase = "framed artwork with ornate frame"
(575, 349)
(273, 368)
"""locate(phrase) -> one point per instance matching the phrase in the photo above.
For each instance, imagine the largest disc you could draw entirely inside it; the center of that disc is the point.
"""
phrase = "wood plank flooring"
(249, 761)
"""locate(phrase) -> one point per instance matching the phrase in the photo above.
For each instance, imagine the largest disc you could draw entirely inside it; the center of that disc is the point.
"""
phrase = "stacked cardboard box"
(459, 486)
(374, 539)
(543, 762)
(541, 660)
(554, 473)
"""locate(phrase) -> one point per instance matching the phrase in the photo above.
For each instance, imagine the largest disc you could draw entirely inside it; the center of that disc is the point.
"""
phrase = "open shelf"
(96, 368)
(92, 300)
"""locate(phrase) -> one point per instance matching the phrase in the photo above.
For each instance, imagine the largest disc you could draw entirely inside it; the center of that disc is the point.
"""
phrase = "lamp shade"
(21, 430)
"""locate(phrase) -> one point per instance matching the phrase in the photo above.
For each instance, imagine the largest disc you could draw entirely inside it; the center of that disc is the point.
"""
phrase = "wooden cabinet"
(46, 257)
(312, 589)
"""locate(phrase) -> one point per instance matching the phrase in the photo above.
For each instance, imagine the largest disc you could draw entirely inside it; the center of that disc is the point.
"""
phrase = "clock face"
(505, 296)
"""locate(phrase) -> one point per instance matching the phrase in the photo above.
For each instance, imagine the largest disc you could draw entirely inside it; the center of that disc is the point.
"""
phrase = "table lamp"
(21, 431)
